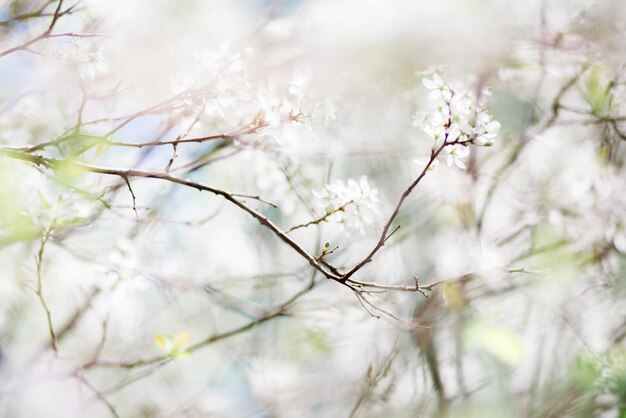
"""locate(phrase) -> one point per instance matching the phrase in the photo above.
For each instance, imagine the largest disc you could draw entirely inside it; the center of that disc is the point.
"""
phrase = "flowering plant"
(353, 204)
(243, 171)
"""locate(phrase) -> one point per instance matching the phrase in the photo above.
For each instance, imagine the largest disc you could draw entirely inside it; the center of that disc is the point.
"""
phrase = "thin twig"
(132, 194)
(39, 288)
(405, 194)
(322, 219)
(127, 173)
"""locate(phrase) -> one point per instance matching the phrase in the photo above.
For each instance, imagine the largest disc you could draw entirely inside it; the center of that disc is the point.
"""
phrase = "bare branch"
(132, 194)
(39, 288)
(322, 219)
(383, 236)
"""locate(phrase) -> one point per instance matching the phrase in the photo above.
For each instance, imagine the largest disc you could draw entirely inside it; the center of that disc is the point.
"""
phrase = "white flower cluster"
(289, 117)
(294, 103)
(353, 204)
(458, 119)
(88, 58)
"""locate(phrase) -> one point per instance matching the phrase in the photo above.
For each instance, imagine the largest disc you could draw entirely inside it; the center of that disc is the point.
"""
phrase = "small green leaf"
(163, 341)
(180, 355)
(175, 347)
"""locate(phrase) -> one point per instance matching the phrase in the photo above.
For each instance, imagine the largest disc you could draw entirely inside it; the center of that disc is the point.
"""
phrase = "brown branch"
(39, 12)
(322, 219)
(517, 151)
(163, 106)
(39, 288)
(362, 301)
(127, 173)
(73, 320)
(373, 378)
(132, 194)
(258, 198)
(360, 294)
(383, 236)
(48, 32)
(99, 394)
(170, 163)
(279, 311)
(227, 135)
(556, 102)
(55, 17)
(78, 35)
(398, 288)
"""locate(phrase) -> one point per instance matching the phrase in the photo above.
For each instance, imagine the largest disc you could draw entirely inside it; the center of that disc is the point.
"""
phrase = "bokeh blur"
(189, 191)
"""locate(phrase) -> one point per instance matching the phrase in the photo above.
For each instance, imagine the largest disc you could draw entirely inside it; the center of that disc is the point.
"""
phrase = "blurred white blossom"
(89, 59)
(273, 383)
(353, 204)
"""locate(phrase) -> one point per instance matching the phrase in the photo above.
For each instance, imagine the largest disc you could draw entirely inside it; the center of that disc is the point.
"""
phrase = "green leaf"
(175, 347)
(162, 341)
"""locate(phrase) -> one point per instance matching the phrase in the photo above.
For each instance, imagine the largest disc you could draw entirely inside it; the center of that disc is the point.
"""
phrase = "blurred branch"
(383, 236)
(509, 164)
(101, 396)
(279, 311)
(321, 219)
(243, 130)
(71, 322)
(374, 376)
(127, 173)
(47, 34)
(39, 288)
(37, 13)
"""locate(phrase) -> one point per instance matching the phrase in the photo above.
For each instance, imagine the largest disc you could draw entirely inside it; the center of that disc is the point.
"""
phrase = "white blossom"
(457, 119)
(457, 155)
(353, 204)
(422, 163)
(89, 59)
